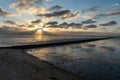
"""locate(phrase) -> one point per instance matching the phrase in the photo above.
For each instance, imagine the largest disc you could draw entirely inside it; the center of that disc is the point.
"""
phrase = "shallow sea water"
(98, 60)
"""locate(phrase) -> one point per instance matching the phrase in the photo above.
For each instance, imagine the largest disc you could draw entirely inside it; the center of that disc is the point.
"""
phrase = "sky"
(83, 15)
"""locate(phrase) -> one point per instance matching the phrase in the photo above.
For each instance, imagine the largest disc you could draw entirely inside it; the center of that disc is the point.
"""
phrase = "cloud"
(86, 17)
(9, 30)
(91, 10)
(76, 25)
(109, 14)
(16, 25)
(72, 15)
(52, 23)
(29, 6)
(109, 23)
(88, 21)
(56, 7)
(6, 29)
(115, 5)
(10, 22)
(56, 14)
(37, 8)
(112, 8)
(64, 25)
(64, 14)
(90, 26)
(25, 4)
(34, 10)
(30, 25)
(25, 25)
(21, 25)
(73, 25)
(36, 21)
(114, 13)
(101, 29)
(6, 13)
(22, 4)
(53, 26)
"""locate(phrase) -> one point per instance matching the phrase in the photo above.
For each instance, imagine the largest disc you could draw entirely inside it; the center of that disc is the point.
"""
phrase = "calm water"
(12, 40)
(98, 60)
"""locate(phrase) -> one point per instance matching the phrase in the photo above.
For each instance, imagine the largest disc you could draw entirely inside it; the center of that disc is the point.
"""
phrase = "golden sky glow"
(60, 15)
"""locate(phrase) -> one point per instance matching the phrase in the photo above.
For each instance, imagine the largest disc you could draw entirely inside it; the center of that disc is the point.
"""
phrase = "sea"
(95, 60)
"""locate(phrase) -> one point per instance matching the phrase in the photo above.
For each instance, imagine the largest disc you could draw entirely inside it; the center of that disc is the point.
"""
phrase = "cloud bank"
(109, 14)
(109, 23)
(90, 10)
(63, 14)
(6, 13)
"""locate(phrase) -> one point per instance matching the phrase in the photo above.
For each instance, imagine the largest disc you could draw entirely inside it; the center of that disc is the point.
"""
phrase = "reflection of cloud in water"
(98, 43)
(90, 45)
(116, 42)
(107, 48)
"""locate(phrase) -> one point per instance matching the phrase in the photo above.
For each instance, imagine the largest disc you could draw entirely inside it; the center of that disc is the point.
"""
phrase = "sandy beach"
(15, 64)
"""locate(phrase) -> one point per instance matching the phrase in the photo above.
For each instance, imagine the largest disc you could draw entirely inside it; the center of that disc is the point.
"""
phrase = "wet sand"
(15, 64)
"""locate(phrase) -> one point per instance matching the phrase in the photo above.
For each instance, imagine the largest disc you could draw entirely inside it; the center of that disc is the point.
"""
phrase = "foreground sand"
(17, 65)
